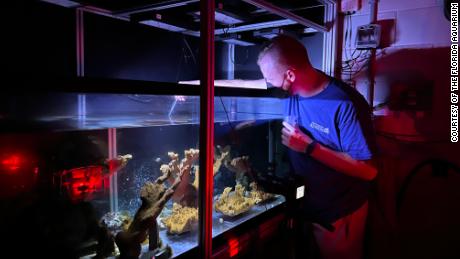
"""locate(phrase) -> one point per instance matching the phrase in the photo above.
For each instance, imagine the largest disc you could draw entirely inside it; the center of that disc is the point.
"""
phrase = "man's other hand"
(294, 138)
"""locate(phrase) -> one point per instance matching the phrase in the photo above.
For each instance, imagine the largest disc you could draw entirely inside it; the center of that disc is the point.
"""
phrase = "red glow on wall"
(12, 163)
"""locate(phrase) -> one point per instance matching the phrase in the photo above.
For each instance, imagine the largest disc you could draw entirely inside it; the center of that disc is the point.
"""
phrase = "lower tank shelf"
(221, 224)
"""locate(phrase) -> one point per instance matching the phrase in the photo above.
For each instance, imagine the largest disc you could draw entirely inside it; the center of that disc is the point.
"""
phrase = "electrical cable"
(190, 49)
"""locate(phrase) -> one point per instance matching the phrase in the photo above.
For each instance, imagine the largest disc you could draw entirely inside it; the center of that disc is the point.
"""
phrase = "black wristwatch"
(310, 147)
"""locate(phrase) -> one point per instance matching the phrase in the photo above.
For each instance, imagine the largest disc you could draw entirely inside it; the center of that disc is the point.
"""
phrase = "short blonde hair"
(288, 52)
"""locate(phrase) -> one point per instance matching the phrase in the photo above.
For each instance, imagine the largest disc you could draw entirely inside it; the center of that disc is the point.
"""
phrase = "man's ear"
(290, 75)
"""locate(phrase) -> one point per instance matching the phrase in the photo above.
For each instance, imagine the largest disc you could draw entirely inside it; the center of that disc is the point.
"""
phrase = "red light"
(234, 246)
(83, 182)
(12, 163)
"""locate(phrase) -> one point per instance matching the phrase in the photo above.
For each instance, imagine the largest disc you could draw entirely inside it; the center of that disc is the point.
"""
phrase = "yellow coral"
(219, 160)
(233, 203)
(181, 220)
(258, 195)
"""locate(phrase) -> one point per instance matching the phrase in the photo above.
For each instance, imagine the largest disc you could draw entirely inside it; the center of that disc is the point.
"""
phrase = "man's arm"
(238, 83)
(341, 162)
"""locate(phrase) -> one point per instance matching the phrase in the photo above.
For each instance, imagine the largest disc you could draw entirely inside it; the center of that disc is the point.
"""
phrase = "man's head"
(282, 61)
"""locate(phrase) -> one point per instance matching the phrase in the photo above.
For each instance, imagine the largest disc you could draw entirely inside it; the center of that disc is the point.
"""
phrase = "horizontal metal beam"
(255, 26)
(248, 27)
(102, 12)
(286, 14)
(63, 3)
(156, 7)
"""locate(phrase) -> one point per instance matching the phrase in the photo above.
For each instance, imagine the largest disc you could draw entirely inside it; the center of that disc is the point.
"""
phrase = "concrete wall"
(414, 59)
(419, 23)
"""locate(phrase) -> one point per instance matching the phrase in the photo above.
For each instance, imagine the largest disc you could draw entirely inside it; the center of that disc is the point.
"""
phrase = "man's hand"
(294, 138)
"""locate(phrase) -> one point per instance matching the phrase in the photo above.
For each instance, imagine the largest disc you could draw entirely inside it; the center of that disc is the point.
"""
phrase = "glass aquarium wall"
(134, 158)
(162, 151)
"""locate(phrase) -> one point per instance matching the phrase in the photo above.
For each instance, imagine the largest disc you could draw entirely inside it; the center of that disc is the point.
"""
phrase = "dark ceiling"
(241, 17)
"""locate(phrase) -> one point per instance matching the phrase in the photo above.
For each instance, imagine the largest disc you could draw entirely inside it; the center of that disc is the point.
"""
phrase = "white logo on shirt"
(316, 126)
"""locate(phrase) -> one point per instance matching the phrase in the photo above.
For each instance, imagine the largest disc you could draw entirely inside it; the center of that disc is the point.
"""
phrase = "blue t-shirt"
(340, 119)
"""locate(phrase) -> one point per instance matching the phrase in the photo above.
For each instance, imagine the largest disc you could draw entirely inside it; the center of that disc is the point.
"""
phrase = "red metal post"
(207, 8)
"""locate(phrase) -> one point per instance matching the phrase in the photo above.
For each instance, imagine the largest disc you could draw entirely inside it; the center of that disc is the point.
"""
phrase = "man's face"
(273, 73)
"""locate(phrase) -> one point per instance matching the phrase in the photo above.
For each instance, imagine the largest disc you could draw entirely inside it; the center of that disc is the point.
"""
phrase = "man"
(331, 145)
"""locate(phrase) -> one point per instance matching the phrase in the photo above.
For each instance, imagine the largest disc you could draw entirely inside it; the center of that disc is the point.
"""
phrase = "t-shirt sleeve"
(356, 133)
